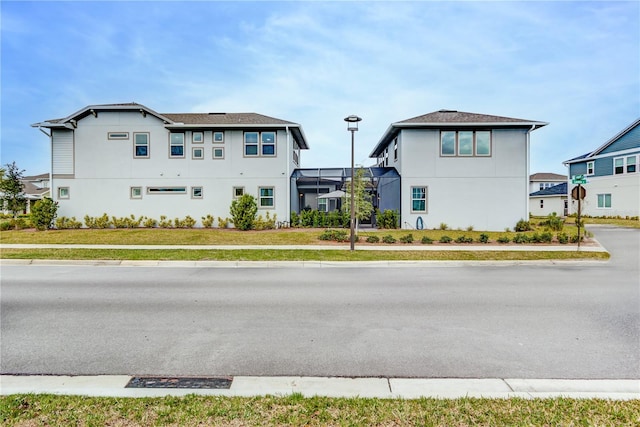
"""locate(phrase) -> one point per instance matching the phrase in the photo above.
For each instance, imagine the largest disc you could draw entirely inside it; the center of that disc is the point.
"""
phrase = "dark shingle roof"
(556, 190)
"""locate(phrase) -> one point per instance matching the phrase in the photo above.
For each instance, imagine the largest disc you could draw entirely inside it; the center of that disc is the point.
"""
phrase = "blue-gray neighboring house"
(613, 177)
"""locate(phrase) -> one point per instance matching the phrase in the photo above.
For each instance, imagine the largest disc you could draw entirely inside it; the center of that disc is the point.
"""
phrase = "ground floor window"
(541, 203)
(196, 192)
(418, 199)
(136, 192)
(63, 192)
(322, 205)
(238, 192)
(604, 200)
(266, 198)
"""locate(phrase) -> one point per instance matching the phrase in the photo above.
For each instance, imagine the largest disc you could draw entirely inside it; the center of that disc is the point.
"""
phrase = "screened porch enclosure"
(325, 189)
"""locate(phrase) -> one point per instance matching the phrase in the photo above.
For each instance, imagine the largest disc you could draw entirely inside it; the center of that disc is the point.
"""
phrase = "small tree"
(362, 200)
(243, 212)
(12, 189)
(43, 214)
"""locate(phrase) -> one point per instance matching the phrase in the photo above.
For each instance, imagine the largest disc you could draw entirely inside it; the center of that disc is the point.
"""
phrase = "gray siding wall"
(62, 152)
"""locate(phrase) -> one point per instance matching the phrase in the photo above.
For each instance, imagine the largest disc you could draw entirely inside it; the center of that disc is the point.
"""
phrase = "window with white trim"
(604, 200)
(135, 192)
(395, 150)
(266, 198)
(197, 153)
(197, 137)
(618, 165)
(632, 164)
(218, 152)
(465, 143)
(238, 192)
(268, 143)
(176, 144)
(141, 145)
(63, 192)
(590, 168)
(419, 199)
(218, 137)
(322, 205)
(196, 192)
(251, 144)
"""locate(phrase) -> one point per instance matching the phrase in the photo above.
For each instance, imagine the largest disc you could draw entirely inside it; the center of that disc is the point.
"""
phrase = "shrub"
(407, 238)
(97, 222)
(443, 226)
(243, 212)
(521, 238)
(373, 239)
(388, 239)
(150, 223)
(126, 222)
(387, 219)
(464, 239)
(484, 238)
(470, 228)
(545, 237)
(5, 225)
(223, 222)
(295, 219)
(207, 221)
(267, 223)
(574, 239)
(426, 240)
(335, 235)
(445, 239)
(164, 222)
(188, 222)
(43, 213)
(64, 223)
(563, 238)
(503, 239)
(554, 222)
(523, 225)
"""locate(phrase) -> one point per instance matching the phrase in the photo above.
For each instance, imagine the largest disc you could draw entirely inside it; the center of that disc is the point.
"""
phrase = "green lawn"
(295, 410)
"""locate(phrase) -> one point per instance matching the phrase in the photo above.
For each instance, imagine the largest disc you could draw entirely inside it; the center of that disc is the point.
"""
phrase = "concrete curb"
(387, 388)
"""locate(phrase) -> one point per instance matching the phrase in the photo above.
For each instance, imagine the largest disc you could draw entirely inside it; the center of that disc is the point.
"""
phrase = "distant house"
(612, 173)
(550, 200)
(541, 180)
(124, 159)
(460, 169)
(35, 188)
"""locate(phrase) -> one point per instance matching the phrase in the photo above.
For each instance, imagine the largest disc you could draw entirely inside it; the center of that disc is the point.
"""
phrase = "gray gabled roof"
(184, 120)
(452, 118)
(547, 176)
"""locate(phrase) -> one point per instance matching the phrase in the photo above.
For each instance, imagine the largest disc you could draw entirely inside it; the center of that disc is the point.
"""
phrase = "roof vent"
(447, 111)
(217, 114)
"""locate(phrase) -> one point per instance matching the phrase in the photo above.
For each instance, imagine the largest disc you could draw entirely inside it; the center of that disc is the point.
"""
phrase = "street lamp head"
(352, 122)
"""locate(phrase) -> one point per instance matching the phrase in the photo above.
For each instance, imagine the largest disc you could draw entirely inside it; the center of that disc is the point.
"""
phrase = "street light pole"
(352, 125)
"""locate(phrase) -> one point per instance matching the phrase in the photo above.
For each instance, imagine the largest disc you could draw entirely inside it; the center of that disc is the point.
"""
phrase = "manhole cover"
(180, 382)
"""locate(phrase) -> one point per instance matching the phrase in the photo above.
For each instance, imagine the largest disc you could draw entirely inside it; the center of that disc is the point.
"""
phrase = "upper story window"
(268, 143)
(176, 145)
(632, 164)
(590, 168)
(465, 143)
(628, 164)
(197, 137)
(618, 165)
(141, 145)
(218, 137)
(259, 144)
(395, 150)
(118, 135)
(251, 143)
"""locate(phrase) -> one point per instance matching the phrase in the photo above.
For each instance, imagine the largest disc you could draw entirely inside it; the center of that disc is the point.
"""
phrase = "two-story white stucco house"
(460, 169)
(613, 175)
(124, 159)
(541, 180)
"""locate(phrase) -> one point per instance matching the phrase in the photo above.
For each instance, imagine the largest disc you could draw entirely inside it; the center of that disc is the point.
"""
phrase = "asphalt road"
(497, 321)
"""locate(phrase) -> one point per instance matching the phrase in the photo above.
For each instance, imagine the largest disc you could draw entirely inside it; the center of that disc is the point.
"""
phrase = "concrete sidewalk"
(388, 388)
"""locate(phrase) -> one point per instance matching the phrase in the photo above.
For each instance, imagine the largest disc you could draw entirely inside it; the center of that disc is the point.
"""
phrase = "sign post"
(578, 193)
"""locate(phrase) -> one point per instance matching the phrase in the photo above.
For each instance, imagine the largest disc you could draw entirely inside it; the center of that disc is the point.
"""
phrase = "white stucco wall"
(550, 205)
(625, 195)
(105, 170)
(488, 193)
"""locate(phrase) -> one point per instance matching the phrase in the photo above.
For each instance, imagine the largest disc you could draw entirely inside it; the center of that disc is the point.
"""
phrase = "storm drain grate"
(180, 382)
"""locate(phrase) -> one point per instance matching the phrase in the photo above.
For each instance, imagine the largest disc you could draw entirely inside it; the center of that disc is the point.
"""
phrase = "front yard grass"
(296, 410)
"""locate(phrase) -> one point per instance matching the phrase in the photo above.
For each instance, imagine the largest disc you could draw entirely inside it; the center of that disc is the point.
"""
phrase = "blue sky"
(575, 65)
